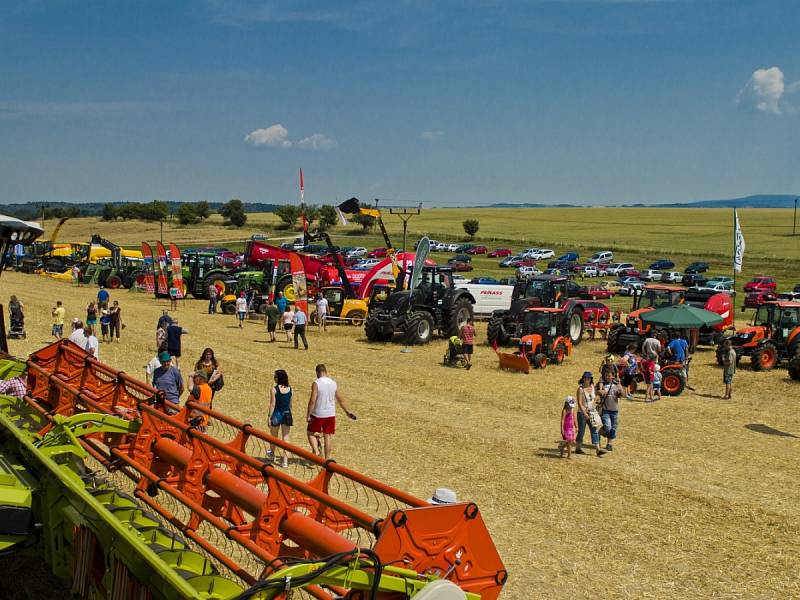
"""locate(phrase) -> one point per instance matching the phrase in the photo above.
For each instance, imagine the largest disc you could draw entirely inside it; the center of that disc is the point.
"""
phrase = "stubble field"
(699, 499)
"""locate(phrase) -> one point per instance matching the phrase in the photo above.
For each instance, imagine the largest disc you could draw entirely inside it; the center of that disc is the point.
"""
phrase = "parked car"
(671, 276)
(553, 271)
(528, 271)
(604, 256)
(462, 248)
(697, 267)
(377, 253)
(500, 252)
(476, 250)
(613, 286)
(661, 264)
(461, 266)
(484, 280)
(718, 287)
(565, 265)
(541, 254)
(616, 268)
(528, 251)
(569, 256)
(460, 258)
(629, 273)
(452, 247)
(366, 264)
(720, 279)
(761, 283)
(628, 285)
(693, 280)
(756, 299)
(588, 271)
(597, 292)
(518, 261)
(793, 296)
(439, 247)
(459, 280)
(650, 275)
(359, 251)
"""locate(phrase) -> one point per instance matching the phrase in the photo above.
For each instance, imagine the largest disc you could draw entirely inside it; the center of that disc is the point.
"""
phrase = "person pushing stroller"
(454, 356)
(16, 318)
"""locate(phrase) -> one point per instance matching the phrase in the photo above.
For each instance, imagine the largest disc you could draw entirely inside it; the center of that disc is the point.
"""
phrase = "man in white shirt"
(322, 312)
(78, 336)
(241, 308)
(321, 412)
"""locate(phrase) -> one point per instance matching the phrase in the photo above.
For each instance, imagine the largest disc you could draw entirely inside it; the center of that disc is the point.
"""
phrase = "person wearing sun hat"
(587, 413)
(443, 495)
(167, 378)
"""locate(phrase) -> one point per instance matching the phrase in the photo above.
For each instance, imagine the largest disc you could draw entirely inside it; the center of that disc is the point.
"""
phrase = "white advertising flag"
(738, 256)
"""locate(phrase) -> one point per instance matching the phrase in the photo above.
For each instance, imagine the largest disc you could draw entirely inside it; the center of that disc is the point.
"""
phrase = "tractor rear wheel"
(418, 328)
(559, 353)
(114, 282)
(673, 382)
(458, 315)
(794, 367)
(540, 361)
(612, 343)
(765, 358)
(575, 326)
(374, 331)
(496, 332)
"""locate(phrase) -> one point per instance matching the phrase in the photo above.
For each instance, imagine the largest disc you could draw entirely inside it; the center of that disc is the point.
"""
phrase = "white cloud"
(766, 91)
(431, 136)
(274, 135)
(277, 136)
(316, 141)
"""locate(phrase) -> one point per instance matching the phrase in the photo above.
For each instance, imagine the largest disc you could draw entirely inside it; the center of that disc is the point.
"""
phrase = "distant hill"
(758, 201)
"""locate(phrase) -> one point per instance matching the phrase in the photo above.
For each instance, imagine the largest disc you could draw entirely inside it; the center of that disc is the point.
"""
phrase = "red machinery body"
(721, 304)
(222, 493)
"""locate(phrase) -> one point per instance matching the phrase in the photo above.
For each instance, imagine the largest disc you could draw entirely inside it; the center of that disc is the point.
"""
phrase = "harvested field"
(699, 499)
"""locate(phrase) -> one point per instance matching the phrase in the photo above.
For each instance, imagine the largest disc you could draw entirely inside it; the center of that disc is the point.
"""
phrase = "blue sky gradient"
(446, 103)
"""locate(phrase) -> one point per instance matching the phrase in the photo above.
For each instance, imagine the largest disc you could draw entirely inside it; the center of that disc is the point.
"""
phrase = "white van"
(604, 256)
(489, 298)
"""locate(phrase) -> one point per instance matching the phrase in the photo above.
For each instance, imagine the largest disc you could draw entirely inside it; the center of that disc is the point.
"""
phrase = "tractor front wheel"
(765, 358)
(673, 382)
(418, 328)
(496, 332)
(540, 361)
(229, 308)
(375, 332)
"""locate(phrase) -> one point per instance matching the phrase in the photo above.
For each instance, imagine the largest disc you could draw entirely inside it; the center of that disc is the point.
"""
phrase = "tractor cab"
(651, 298)
(196, 265)
(773, 337)
(541, 290)
(435, 283)
(779, 317)
(542, 321)
(544, 338)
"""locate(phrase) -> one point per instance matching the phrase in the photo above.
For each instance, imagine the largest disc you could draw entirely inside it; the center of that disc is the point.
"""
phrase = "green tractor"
(200, 271)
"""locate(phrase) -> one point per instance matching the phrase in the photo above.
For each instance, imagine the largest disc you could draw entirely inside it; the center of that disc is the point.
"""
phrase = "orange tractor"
(545, 339)
(773, 337)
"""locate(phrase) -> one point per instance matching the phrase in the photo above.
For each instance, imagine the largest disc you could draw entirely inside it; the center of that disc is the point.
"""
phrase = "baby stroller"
(17, 328)
(453, 357)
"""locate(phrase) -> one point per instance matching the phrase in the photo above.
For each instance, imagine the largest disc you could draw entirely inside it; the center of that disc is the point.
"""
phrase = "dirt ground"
(699, 499)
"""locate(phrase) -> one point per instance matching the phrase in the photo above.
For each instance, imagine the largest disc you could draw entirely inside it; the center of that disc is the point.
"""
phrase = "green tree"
(288, 213)
(327, 217)
(471, 227)
(202, 210)
(367, 222)
(109, 212)
(312, 213)
(233, 212)
(153, 211)
(188, 214)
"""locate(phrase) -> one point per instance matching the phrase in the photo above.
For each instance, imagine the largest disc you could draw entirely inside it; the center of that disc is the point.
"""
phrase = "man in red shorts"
(321, 412)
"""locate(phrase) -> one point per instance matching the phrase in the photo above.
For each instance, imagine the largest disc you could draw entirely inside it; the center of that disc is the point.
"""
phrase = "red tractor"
(545, 339)
(773, 337)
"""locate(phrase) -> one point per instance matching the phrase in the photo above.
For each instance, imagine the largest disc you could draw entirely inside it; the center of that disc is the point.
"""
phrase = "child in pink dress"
(569, 427)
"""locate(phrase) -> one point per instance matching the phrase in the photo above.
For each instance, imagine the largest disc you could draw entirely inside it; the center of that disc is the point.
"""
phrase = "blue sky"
(446, 103)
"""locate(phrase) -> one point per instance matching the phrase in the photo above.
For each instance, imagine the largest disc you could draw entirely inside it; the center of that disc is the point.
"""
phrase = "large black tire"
(719, 354)
(229, 308)
(286, 285)
(765, 358)
(418, 328)
(373, 331)
(540, 361)
(673, 382)
(496, 332)
(458, 315)
(613, 334)
(55, 265)
(113, 282)
(214, 278)
(262, 308)
(794, 368)
(575, 326)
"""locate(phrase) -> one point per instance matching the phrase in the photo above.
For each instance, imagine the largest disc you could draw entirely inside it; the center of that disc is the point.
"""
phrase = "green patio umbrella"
(681, 316)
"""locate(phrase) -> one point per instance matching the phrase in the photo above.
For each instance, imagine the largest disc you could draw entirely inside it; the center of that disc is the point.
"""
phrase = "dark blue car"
(485, 280)
(569, 257)
(661, 264)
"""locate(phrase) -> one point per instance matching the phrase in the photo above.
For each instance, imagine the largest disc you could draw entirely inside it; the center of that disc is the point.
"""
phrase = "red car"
(522, 262)
(629, 273)
(477, 250)
(377, 253)
(461, 266)
(756, 299)
(500, 253)
(761, 283)
(596, 292)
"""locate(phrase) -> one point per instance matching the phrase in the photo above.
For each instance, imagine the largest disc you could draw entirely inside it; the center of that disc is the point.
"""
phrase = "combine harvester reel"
(127, 497)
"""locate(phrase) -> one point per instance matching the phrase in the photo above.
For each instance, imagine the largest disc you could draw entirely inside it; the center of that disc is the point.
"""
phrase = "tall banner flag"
(149, 280)
(303, 208)
(738, 244)
(299, 282)
(423, 249)
(177, 270)
(162, 288)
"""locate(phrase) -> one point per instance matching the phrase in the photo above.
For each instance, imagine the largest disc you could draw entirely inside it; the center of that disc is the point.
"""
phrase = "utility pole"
(405, 215)
(794, 222)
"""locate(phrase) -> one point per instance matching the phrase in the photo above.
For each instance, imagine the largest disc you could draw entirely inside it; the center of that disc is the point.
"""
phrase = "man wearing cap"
(174, 333)
(443, 496)
(167, 378)
(102, 298)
